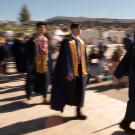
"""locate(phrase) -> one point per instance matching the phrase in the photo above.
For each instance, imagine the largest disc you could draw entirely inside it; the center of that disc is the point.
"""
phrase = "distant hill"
(62, 19)
(85, 21)
(70, 19)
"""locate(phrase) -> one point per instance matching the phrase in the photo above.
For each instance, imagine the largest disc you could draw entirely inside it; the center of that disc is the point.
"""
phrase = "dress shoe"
(28, 97)
(126, 127)
(81, 116)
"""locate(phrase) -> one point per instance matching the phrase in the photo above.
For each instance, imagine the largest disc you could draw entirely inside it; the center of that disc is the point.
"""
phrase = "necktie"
(78, 49)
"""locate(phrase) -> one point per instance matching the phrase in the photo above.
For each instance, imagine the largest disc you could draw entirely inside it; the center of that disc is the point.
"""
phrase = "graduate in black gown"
(18, 50)
(38, 62)
(127, 67)
(3, 55)
(70, 74)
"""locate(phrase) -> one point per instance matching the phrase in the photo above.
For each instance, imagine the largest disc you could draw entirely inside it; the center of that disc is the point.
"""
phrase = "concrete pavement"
(21, 117)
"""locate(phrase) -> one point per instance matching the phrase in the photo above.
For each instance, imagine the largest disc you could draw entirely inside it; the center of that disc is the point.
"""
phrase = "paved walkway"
(21, 117)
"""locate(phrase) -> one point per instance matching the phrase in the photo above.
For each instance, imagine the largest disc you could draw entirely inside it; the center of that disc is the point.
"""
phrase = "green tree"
(24, 14)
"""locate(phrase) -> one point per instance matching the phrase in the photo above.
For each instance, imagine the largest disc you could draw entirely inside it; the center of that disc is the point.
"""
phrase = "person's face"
(76, 31)
(41, 29)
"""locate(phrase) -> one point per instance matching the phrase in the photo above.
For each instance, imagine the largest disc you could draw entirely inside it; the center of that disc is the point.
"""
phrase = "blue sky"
(44, 9)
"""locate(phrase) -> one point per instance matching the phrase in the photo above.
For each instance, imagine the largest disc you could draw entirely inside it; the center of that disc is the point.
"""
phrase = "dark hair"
(40, 24)
(74, 25)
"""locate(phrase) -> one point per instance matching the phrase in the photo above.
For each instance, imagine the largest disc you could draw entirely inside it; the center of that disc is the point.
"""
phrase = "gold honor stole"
(41, 61)
(74, 57)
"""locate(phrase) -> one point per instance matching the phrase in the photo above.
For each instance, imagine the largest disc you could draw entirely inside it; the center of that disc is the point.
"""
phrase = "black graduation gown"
(18, 50)
(37, 82)
(127, 67)
(64, 91)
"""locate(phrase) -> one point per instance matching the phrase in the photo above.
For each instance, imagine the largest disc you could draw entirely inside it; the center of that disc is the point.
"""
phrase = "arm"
(30, 53)
(123, 67)
(63, 65)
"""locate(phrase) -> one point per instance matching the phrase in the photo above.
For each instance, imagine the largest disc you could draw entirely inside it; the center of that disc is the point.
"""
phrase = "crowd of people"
(13, 49)
(101, 66)
(66, 67)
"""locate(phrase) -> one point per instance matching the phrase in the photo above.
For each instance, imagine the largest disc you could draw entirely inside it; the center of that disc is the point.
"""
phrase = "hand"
(68, 77)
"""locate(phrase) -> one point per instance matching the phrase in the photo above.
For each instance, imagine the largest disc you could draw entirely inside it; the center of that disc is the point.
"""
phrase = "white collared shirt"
(76, 37)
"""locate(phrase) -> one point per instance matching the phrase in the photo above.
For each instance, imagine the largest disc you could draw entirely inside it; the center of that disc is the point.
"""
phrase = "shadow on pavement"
(13, 78)
(15, 106)
(13, 98)
(122, 133)
(11, 89)
(102, 88)
(105, 128)
(33, 125)
(105, 87)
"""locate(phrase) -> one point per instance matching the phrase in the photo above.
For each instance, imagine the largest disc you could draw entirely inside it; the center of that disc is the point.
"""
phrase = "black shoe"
(81, 116)
(126, 127)
(28, 97)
